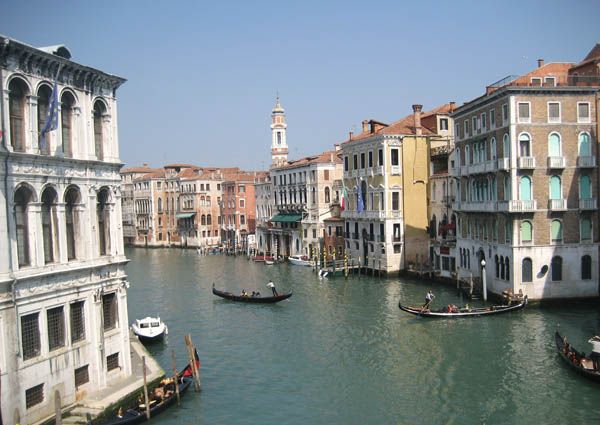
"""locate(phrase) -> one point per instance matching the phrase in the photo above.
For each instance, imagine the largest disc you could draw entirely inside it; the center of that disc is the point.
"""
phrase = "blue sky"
(203, 76)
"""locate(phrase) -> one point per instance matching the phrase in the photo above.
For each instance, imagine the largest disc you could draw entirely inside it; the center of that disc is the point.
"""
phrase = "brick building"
(527, 182)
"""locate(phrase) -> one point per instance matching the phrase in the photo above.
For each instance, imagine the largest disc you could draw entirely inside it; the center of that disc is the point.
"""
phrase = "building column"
(61, 232)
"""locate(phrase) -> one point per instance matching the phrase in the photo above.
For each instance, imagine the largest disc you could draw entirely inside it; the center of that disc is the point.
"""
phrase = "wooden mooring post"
(146, 401)
(470, 284)
(191, 355)
(57, 410)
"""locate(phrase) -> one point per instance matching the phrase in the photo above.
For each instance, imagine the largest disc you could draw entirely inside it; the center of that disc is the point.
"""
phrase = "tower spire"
(279, 147)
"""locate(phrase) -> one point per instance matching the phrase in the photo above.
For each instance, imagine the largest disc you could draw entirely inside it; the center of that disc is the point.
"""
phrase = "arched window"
(556, 231)
(433, 188)
(508, 231)
(502, 268)
(458, 157)
(505, 146)
(527, 270)
(556, 268)
(44, 94)
(507, 188)
(467, 155)
(584, 145)
(72, 199)
(99, 111)
(203, 220)
(23, 197)
(497, 266)
(327, 195)
(555, 188)
(586, 230)
(493, 148)
(586, 267)
(208, 219)
(160, 205)
(297, 245)
(524, 145)
(16, 107)
(103, 222)
(585, 187)
(507, 269)
(363, 189)
(66, 115)
(314, 195)
(554, 146)
(526, 231)
(49, 225)
(525, 188)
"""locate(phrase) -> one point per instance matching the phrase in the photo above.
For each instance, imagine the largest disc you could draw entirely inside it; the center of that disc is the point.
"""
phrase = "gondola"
(250, 299)
(576, 360)
(137, 412)
(464, 311)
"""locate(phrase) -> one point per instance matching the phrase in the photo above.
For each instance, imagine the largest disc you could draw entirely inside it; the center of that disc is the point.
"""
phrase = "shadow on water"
(340, 351)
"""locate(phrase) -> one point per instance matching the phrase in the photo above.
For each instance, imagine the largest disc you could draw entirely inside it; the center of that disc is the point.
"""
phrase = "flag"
(361, 204)
(344, 197)
(51, 122)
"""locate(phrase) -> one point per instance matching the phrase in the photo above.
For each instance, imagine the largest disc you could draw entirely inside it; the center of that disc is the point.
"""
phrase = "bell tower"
(279, 147)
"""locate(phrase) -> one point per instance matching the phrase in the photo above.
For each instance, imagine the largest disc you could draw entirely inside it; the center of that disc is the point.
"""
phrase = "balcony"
(354, 173)
(491, 166)
(374, 214)
(378, 171)
(556, 162)
(586, 161)
(477, 168)
(517, 206)
(504, 164)
(557, 204)
(526, 162)
(448, 200)
(362, 172)
(396, 170)
(354, 235)
(464, 170)
(485, 206)
(588, 204)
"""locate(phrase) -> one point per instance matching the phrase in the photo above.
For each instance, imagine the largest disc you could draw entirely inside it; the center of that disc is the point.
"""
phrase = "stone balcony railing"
(517, 205)
(588, 204)
(556, 162)
(557, 204)
(586, 161)
(526, 162)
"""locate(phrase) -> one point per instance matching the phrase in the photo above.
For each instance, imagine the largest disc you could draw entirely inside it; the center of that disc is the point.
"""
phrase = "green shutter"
(556, 230)
(555, 187)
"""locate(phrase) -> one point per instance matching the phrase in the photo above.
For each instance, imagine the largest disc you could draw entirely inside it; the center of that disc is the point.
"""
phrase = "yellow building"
(387, 168)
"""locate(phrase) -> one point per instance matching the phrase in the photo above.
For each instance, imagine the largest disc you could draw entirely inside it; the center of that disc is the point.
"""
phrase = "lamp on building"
(484, 279)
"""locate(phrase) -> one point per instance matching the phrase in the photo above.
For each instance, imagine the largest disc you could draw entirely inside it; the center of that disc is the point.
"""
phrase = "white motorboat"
(149, 329)
(299, 261)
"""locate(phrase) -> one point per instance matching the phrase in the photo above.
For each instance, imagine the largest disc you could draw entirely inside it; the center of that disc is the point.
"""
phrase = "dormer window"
(550, 81)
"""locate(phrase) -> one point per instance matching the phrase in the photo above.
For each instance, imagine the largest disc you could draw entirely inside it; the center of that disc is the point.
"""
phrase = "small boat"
(464, 311)
(299, 260)
(261, 258)
(249, 298)
(149, 329)
(269, 262)
(576, 360)
(136, 413)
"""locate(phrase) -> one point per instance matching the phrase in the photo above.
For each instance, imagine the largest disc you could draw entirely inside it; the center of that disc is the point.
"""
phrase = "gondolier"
(272, 286)
(428, 298)
(595, 356)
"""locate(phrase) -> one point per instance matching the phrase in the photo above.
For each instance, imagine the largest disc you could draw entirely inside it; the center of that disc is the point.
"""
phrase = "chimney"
(351, 135)
(365, 124)
(540, 63)
(331, 157)
(452, 106)
(145, 165)
(337, 146)
(417, 115)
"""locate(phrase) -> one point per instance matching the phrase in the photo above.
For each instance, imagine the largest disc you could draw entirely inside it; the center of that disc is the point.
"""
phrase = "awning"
(286, 218)
(185, 215)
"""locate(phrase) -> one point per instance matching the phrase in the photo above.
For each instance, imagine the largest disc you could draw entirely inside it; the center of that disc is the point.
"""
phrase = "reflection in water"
(340, 351)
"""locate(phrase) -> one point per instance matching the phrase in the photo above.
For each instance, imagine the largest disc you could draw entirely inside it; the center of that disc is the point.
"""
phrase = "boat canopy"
(287, 218)
(185, 215)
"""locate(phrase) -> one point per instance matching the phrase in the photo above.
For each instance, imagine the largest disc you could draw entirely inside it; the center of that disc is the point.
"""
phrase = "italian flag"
(344, 203)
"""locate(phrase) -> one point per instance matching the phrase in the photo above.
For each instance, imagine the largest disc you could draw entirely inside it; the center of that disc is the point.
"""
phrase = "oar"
(423, 309)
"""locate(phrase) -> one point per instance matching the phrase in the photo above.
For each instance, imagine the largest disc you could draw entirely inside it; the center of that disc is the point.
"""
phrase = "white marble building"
(63, 298)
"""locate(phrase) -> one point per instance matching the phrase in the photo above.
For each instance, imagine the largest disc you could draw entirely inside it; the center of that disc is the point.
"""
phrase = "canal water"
(341, 352)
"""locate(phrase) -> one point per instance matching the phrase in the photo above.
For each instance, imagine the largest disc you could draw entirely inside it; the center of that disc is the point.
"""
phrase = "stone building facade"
(527, 181)
(63, 288)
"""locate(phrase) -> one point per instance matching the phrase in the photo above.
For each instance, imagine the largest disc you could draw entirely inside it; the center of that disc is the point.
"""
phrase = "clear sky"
(203, 76)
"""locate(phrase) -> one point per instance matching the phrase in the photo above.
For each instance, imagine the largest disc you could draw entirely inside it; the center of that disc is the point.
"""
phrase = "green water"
(341, 352)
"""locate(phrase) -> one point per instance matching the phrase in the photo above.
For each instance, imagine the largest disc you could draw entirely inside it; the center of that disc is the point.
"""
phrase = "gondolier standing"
(595, 356)
(428, 298)
(272, 286)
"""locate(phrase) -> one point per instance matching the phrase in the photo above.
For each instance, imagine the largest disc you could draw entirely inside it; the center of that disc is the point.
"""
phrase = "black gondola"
(137, 413)
(250, 299)
(578, 361)
(464, 311)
